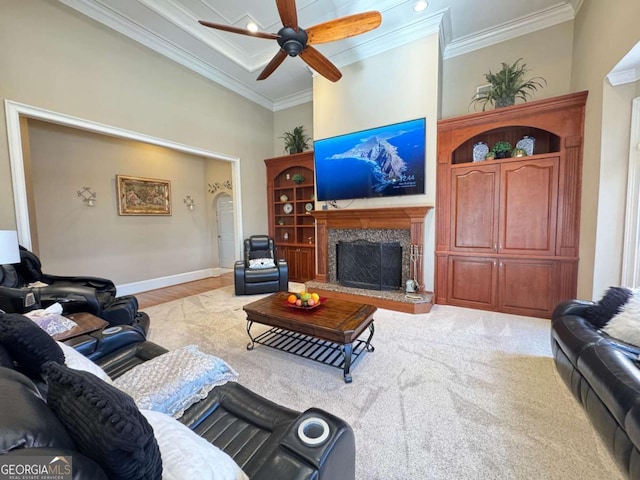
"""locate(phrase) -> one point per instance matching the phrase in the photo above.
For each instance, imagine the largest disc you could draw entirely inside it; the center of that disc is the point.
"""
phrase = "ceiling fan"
(294, 40)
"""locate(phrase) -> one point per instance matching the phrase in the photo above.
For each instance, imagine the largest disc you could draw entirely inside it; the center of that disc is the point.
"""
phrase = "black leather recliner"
(75, 293)
(260, 272)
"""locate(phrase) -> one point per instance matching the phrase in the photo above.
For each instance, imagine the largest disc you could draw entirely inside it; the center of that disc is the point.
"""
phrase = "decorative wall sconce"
(214, 187)
(189, 202)
(88, 196)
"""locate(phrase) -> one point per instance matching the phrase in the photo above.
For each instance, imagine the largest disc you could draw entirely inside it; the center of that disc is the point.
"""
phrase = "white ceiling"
(171, 28)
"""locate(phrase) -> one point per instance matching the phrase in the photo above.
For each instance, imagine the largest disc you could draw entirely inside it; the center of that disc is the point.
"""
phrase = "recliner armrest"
(73, 298)
(97, 345)
(571, 307)
(238, 277)
(101, 284)
(333, 458)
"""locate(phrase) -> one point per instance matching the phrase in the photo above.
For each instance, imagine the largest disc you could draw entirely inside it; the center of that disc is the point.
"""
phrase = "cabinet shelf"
(299, 225)
(545, 141)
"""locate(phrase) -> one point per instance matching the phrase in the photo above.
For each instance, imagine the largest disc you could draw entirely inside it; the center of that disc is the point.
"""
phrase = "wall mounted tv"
(379, 162)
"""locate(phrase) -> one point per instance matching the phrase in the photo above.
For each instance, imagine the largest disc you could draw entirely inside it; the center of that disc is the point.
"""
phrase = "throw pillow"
(29, 345)
(74, 359)
(608, 306)
(172, 382)
(261, 263)
(187, 455)
(104, 423)
(625, 325)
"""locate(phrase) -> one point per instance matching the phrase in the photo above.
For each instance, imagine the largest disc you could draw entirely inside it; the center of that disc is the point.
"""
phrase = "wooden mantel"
(411, 218)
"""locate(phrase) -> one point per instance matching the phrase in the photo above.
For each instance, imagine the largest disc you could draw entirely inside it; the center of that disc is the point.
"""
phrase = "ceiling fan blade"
(320, 64)
(344, 27)
(242, 31)
(273, 64)
(288, 13)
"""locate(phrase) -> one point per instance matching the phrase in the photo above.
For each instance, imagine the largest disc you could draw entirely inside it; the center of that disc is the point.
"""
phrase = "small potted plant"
(507, 85)
(502, 149)
(295, 141)
(298, 178)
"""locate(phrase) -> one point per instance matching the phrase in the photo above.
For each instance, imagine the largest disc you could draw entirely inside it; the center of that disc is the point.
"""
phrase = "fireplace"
(369, 265)
(404, 225)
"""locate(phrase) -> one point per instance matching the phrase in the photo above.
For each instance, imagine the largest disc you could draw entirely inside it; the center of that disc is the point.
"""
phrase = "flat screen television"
(379, 162)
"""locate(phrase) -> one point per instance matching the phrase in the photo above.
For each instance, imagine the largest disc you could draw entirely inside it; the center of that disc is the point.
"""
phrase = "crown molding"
(625, 76)
(294, 100)
(100, 13)
(408, 33)
(509, 30)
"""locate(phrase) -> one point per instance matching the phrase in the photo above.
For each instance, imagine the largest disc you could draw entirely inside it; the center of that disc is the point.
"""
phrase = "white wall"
(398, 85)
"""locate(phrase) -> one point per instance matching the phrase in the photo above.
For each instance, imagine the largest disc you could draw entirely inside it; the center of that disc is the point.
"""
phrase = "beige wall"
(547, 54)
(404, 84)
(287, 120)
(55, 58)
(77, 239)
(604, 33)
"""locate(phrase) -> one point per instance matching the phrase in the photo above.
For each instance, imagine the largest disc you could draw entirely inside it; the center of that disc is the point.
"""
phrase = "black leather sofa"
(602, 374)
(258, 434)
(93, 295)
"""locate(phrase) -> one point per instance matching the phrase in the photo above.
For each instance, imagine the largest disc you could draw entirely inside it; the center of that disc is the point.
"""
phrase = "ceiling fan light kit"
(295, 41)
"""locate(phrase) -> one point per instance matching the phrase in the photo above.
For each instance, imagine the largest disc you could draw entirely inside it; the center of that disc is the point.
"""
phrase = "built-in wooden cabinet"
(507, 230)
(290, 208)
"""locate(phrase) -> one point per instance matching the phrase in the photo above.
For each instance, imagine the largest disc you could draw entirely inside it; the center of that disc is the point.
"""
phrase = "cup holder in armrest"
(313, 431)
(111, 330)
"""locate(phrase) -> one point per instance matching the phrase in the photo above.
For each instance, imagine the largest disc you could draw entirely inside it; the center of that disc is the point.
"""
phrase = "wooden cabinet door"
(306, 264)
(528, 287)
(528, 207)
(472, 282)
(475, 199)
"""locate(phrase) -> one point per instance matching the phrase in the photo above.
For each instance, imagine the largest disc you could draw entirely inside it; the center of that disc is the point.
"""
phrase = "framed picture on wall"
(143, 196)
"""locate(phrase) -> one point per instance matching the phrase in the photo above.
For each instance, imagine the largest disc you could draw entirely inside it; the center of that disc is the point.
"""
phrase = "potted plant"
(507, 85)
(295, 141)
(298, 178)
(502, 149)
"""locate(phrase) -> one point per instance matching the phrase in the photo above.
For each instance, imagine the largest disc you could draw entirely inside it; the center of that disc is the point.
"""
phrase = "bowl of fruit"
(304, 300)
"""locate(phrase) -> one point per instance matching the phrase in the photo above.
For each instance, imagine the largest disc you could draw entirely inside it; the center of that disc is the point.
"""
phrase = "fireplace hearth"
(369, 265)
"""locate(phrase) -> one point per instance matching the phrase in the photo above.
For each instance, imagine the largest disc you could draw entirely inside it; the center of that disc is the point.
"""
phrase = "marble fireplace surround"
(404, 224)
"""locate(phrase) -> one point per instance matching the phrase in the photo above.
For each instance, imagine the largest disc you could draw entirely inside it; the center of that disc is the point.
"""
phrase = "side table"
(87, 323)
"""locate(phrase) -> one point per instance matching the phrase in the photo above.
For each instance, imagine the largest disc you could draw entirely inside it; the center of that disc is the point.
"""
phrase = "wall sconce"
(189, 202)
(88, 196)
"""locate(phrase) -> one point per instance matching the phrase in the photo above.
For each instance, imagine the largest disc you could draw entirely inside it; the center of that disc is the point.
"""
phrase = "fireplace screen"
(370, 265)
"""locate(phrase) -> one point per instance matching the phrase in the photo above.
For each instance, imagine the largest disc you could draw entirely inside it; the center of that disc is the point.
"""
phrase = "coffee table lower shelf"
(316, 349)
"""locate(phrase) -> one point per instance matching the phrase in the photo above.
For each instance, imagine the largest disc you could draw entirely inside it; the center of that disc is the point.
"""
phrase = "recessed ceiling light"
(252, 27)
(420, 6)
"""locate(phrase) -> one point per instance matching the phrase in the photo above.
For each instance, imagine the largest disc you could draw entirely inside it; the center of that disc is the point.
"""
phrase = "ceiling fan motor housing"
(292, 41)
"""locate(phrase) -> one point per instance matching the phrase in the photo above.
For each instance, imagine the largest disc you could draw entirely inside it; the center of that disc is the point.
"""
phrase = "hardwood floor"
(162, 295)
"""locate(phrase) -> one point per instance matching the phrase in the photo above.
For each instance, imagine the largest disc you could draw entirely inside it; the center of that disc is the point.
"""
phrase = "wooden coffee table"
(327, 334)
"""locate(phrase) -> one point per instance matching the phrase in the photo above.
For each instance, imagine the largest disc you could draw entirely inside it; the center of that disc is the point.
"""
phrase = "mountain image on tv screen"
(380, 162)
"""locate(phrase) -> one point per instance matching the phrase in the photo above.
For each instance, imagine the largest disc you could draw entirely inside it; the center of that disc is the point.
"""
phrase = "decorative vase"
(502, 154)
(504, 102)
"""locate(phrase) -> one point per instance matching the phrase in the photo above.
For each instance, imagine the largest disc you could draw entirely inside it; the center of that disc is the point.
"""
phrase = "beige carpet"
(453, 394)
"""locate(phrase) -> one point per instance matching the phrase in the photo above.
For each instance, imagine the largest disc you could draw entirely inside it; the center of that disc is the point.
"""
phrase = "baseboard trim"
(161, 282)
